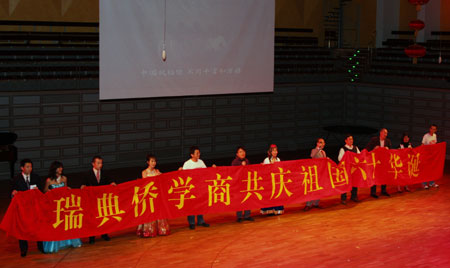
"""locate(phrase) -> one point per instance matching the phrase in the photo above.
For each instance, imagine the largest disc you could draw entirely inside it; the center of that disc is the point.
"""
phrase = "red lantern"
(415, 51)
(418, 2)
(417, 25)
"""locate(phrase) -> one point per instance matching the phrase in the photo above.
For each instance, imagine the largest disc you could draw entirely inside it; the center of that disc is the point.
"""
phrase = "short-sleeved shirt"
(267, 160)
(193, 165)
(427, 138)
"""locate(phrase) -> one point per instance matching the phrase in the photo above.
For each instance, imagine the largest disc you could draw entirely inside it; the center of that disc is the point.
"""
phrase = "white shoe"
(426, 187)
(434, 185)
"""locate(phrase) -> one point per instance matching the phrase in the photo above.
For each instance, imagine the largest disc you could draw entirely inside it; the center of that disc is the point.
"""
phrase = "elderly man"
(374, 143)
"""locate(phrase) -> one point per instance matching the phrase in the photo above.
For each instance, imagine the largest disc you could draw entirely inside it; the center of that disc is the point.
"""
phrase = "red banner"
(65, 214)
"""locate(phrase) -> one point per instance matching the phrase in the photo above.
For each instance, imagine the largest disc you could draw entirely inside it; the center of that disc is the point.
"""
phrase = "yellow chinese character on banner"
(356, 165)
(338, 175)
(182, 188)
(252, 186)
(140, 198)
(70, 208)
(219, 190)
(413, 165)
(374, 164)
(310, 179)
(108, 206)
(396, 163)
(280, 182)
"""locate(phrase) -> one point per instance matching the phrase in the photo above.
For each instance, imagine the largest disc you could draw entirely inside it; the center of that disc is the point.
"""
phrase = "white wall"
(430, 14)
(387, 19)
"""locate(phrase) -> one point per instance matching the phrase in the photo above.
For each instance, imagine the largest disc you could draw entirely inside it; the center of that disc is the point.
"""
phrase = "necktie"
(27, 179)
(98, 176)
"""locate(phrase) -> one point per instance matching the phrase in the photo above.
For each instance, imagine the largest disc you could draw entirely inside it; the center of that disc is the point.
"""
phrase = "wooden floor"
(405, 230)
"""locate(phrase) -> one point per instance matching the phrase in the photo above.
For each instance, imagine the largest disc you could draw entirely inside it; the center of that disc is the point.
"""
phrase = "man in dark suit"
(96, 177)
(374, 143)
(25, 181)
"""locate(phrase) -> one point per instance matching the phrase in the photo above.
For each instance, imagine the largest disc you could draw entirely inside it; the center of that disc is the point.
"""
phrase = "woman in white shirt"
(272, 157)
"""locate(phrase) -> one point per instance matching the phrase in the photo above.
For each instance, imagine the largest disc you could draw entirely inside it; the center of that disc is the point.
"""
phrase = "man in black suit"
(23, 182)
(376, 142)
(96, 177)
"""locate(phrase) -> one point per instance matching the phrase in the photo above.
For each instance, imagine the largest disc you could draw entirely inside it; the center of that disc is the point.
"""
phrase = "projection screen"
(212, 47)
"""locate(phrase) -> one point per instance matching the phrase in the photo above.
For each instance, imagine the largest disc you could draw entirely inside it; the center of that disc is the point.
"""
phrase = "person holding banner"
(317, 152)
(374, 143)
(25, 181)
(193, 163)
(272, 157)
(56, 179)
(96, 177)
(241, 160)
(405, 143)
(430, 138)
(349, 147)
(160, 227)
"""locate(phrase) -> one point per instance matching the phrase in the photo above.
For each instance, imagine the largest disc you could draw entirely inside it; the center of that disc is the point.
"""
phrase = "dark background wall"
(400, 109)
(72, 125)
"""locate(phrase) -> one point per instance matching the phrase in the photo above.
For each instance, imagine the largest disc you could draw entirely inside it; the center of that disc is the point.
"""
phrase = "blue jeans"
(246, 214)
(425, 183)
(191, 219)
(312, 202)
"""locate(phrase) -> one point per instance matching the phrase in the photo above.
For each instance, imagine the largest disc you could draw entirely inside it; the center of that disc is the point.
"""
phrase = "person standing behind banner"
(27, 180)
(96, 177)
(317, 152)
(56, 179)
(374, 143)
(272, 157)
(160, 227)
(193, 163)
(428, 139)
(405, 143)
(352, 148)
(241, 160)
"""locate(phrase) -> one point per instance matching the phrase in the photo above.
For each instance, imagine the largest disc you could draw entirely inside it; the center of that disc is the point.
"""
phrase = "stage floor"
(404, 230)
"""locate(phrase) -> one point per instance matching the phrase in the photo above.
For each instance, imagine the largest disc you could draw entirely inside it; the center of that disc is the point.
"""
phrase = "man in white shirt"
(428, 139)
(193, 163)
(349, 147)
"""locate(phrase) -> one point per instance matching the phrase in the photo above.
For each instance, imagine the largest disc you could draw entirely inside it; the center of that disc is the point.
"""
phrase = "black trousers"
(354, 194)
(23, 244)
(373, 189)
(92, 238)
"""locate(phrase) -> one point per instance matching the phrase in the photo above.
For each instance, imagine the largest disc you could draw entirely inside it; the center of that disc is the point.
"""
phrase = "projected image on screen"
(211, 47)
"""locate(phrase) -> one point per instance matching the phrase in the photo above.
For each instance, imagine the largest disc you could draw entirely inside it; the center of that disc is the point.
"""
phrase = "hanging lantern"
(415, 51)
(417, 25)
(418, 3)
